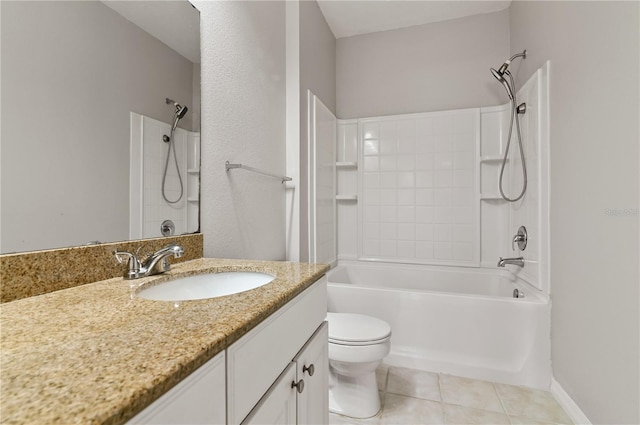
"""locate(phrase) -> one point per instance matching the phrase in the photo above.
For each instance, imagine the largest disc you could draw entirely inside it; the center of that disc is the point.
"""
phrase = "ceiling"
(347, 18)
(175, 23)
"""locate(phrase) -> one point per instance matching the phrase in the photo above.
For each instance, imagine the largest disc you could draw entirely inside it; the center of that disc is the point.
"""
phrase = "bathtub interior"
(439, 279)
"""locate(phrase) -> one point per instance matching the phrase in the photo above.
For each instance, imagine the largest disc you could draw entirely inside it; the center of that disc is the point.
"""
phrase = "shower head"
(181, 111)
(500, 77)
(503, 68)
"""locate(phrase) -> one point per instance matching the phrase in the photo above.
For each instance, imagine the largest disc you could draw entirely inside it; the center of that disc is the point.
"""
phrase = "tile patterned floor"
(414, 397)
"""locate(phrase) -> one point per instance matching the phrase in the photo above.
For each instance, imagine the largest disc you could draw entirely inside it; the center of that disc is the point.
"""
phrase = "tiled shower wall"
(423, 188)
(419, 191)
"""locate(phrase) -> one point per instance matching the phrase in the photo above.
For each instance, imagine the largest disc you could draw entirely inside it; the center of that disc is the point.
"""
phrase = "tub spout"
(515, 261)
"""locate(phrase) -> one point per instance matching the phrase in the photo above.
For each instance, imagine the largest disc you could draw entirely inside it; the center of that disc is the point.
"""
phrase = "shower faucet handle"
(520, 238)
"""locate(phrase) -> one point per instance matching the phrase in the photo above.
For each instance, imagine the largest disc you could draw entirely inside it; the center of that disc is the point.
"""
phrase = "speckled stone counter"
(98, 354)
(26, 274)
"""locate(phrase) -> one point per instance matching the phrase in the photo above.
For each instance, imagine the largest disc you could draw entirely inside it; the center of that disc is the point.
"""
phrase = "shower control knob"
(299, 386)
(520, 239)
(309, 369)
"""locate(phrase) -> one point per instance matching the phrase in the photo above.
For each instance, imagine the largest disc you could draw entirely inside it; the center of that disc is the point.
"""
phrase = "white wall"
(438, 66)
(243, 120)
(71, 74)
(593, 48)
(318, 74)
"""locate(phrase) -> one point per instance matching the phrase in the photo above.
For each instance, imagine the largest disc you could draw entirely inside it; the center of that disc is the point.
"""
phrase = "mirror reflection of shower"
(180, 112)
(515, 111)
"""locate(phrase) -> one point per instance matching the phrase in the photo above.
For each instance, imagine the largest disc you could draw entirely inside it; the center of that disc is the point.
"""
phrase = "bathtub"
(454, 320)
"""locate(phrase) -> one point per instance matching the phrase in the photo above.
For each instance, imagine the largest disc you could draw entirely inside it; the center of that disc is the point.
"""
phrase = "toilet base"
(356, 397)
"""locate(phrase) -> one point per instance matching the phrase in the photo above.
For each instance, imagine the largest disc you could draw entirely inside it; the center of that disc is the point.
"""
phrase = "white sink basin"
(205, 286)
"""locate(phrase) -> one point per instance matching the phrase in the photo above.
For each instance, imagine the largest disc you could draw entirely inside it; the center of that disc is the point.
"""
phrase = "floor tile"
(470, 393)
(455, 415)
(402, 410)
(531, 403)
(519, 420)
(413, 383)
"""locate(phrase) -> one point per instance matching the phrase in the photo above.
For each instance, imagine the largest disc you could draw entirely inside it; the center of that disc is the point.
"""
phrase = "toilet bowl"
(357, 345)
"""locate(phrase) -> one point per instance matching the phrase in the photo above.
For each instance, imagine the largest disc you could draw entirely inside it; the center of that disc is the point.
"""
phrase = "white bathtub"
(460, 321)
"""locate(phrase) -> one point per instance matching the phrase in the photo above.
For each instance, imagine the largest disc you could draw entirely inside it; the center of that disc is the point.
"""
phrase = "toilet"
(357, 345)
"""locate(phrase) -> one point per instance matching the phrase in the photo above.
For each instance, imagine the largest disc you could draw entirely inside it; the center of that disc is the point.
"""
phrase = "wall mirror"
(90, 93)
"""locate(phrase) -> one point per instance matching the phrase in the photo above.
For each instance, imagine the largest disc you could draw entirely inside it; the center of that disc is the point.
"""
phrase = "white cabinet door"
(198, 399)
(278, 406)
(313, 367)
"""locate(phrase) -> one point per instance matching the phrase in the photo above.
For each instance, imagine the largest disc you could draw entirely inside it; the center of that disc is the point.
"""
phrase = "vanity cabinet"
(299, 395)
(251, 381)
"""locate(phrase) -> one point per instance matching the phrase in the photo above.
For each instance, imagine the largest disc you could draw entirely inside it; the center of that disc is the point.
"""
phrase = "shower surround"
(420, 228)
(148, 210)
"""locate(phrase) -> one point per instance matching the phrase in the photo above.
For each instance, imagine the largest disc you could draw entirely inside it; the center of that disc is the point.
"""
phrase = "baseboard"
(575, 413)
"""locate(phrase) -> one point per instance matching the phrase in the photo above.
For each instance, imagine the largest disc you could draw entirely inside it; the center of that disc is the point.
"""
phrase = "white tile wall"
(418, 200)
(348, 185)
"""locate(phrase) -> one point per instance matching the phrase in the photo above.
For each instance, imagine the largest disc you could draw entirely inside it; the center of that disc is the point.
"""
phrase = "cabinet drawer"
(256, 360)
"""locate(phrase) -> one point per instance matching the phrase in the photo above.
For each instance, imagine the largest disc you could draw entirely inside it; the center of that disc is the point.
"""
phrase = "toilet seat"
(357, 329)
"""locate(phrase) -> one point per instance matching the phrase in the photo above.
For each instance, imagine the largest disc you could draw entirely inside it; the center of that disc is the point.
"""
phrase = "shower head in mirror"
(181, 111)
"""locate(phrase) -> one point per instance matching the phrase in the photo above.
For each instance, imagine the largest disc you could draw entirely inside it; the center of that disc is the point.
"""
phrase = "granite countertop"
(97, 354)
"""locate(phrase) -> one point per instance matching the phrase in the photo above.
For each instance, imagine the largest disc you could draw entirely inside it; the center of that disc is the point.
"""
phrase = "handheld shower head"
(181, 111)
(504, 70)
(500, 77)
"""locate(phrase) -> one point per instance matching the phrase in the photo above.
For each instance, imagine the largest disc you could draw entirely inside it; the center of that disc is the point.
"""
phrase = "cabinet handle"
(299, 386)
(309, 369)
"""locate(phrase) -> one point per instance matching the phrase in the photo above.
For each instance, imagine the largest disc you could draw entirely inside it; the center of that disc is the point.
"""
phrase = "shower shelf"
(346, 197)
(491, 197)
(492, 158)
(193, 171)
(346, 164)
(193, 199)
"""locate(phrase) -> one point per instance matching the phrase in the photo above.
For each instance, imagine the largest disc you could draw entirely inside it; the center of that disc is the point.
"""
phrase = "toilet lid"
(356, 328)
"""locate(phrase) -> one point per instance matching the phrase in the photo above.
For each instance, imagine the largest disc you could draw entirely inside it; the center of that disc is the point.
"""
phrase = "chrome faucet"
(515, 261)
(156, 263)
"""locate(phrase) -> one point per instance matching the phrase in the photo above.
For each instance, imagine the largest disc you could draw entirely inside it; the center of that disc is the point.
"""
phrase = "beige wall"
(594, 53)
(71, 74)
(444, 65)
(318, 74)
(243, 120)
